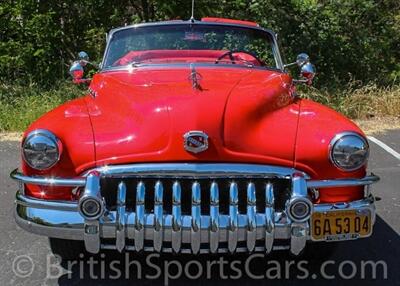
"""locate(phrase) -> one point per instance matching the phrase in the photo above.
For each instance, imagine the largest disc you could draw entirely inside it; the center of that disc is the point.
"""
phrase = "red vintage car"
(192, 139)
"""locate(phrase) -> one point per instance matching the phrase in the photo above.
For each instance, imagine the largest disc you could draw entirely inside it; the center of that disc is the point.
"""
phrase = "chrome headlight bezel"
(49, 138)
(340, 138)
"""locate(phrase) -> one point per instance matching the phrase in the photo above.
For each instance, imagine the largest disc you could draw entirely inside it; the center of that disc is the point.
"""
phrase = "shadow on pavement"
(349, 258)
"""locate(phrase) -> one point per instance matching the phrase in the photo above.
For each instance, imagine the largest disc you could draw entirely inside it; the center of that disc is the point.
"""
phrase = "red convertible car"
(192, 139)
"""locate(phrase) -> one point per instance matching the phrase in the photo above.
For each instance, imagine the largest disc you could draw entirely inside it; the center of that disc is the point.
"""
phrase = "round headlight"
(41, 149)
(349, 151)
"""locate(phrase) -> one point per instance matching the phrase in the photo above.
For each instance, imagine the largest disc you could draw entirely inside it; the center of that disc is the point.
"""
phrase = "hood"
(141, 115)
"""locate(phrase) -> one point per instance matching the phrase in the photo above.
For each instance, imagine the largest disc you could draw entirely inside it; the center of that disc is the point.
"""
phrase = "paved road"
(384, 245)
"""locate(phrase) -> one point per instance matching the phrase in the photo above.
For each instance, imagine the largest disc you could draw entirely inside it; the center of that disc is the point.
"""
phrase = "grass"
(365, 102)
(21, 105)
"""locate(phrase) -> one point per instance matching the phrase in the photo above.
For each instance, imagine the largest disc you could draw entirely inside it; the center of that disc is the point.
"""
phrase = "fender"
(318, 125)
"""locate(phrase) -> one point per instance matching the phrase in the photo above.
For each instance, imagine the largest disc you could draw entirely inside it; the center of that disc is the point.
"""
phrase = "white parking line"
(384, 147)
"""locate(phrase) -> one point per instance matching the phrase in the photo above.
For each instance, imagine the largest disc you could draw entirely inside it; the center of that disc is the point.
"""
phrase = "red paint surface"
(241, 110)
(141, 115)
(229, 21)
(71, 123)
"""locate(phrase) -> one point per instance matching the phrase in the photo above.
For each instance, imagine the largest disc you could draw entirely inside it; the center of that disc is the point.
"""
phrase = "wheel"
(66, 249)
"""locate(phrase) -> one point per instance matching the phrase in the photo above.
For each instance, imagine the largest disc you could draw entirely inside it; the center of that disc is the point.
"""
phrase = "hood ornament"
(195, 141)
(195, 78)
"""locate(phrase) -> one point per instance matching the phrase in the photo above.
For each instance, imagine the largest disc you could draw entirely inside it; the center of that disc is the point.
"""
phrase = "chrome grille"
(199, 214)
(221, 191)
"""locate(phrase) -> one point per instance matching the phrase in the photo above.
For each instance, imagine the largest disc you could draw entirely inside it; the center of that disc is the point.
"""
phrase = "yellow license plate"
(341, 225)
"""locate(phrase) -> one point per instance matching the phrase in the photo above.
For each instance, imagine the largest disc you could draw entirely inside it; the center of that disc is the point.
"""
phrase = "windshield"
(216, 44)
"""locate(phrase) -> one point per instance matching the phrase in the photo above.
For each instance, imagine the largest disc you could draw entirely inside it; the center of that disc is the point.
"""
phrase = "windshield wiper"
(233, 60)
(134, 64)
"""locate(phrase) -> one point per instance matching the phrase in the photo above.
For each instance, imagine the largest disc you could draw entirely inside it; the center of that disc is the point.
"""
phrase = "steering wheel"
(231, 53)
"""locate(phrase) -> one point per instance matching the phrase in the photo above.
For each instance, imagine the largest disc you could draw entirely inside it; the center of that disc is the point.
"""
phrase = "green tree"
(346, 39)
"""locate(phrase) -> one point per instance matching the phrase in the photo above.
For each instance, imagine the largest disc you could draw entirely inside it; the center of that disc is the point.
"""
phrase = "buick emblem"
(195, 141)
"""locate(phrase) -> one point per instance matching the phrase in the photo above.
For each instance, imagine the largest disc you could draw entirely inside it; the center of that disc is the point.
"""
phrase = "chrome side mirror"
(83, 56)
(307, 70)
(302, 59)
(76, 69)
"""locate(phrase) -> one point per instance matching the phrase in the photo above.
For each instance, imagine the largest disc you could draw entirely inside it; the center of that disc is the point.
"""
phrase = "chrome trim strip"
(45, 204)
(176, 217)
(196, 170)
(195, 233)
(140, 216)
(269, 217)
(214, 217)
(251, 217)
(173, 66)
(233, 217)
(158, 216)
(336, 183)
(193, 170)
(43, 181)
(120, 230)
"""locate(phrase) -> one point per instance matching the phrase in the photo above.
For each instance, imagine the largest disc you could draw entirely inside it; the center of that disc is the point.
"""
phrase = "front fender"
(317, 126)
(70, 122)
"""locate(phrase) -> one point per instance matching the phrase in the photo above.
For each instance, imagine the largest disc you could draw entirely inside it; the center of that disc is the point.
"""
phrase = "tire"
(66, 249)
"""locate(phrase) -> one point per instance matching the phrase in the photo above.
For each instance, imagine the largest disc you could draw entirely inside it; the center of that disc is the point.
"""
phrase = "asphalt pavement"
(25, 259)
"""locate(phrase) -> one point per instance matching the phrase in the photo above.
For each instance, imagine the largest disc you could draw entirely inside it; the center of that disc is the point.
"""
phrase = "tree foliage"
(346, 39)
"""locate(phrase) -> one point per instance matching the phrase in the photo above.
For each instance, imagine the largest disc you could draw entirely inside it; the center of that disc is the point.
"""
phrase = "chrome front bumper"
(136, 230)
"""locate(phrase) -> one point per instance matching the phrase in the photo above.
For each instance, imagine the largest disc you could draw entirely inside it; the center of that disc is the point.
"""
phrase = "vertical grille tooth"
(176, 217)
(269, 217)
(196, 218)
(233, 217)
(158, 216)
(139, 218)
(214, 217)
(251, 216)
(121, 217)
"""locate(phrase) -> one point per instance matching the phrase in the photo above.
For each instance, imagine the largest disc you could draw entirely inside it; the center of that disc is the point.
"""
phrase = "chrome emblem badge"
(195, 141)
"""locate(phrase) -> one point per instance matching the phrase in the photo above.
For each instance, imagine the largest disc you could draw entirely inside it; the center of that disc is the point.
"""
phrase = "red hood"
(142, 115)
